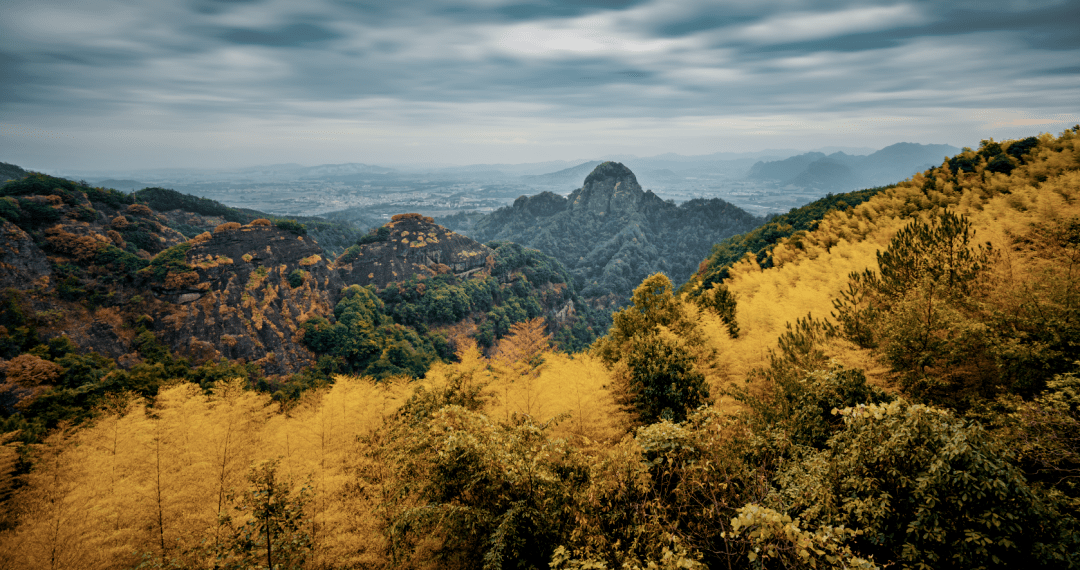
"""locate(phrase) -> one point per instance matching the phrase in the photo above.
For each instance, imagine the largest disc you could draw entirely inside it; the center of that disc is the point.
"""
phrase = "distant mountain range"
(841, 172)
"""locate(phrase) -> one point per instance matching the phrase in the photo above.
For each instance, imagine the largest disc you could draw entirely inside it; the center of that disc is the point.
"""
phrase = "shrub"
(172, 259)
(926, 489)
(35, 213)
(261, 222)
(291, 226)
(380, 234)
(9, 209)
(350, 255)
(296, 278)
(1000, 163)
(81, 248)
(164, 200)
(227, 227)
(108, 196)
(411, 216)
(121, 262)
(140, 210)
(201, 238)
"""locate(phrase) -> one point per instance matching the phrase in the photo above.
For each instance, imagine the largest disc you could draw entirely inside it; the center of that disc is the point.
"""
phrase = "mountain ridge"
(610, 233)
(840, 171)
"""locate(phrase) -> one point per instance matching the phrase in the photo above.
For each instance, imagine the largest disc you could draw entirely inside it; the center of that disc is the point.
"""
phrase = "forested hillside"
(901, 392)
(760, 241)
(611, 234)
(101, 296)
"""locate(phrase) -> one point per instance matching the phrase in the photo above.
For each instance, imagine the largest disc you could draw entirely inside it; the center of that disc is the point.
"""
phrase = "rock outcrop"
(22, 263)
(247, 293)
(611, 234)
(610, 188)
(414, 245)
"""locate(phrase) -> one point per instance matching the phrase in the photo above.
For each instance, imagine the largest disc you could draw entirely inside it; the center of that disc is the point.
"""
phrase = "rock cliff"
(22, 263)
(611, 234)
(414, 245)
(248, 290)
(97, 267)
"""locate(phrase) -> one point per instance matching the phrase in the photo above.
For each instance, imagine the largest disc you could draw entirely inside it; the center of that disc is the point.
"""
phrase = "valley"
(371, 194)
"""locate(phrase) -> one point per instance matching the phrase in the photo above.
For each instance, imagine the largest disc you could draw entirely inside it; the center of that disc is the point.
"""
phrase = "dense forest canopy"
(895, 388)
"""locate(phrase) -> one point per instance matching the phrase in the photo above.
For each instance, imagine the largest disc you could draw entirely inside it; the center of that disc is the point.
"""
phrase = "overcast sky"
(212, 83)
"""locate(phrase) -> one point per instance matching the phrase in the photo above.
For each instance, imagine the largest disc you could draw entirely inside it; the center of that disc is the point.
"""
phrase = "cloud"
(554, 78)
(802, 26)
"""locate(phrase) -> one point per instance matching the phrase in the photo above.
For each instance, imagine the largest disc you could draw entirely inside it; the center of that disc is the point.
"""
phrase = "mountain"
(108, 266)
(901, 160)
(611, 234)
(122, 292)
(903, 393)
(828, 172)
(11, 172)
(843, 172)
(783, 169)
(413, 245)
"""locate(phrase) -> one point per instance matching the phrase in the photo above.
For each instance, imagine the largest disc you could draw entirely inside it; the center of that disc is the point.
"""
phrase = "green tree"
(474, 494)
(662, 380)
(657, 354)
(272, 531)
(926, 489)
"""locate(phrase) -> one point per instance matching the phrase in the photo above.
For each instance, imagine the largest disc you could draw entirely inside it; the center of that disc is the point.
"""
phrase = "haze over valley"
(369, 193)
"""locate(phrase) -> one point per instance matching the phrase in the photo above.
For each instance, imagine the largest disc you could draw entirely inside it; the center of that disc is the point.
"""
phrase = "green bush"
(172, 259)
(36, 214)
(9, 210)
(296, 278)
(350, 255)
(663, 382)
(291, 226)
(927, 489)
(377, 235)
(108, 196)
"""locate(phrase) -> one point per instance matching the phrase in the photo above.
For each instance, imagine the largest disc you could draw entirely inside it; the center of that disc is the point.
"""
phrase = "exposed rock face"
(238, 303)
(416, 244)
(611, 187)
(22, 263)
(611, 234)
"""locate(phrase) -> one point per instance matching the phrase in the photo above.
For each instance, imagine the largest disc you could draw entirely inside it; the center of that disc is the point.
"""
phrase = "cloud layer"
(112, 84)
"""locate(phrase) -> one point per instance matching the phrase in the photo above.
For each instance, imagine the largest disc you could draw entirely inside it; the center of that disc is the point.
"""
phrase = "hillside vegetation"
(100, 297)
(902, 392)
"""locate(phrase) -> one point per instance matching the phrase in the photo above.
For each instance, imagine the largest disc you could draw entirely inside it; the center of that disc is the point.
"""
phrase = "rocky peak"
(611, 187)
(414, 244)
(542, 205)
(609, 169)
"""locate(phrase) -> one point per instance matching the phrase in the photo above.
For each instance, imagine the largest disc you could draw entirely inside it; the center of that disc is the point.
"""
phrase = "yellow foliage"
(155, 482)
(319, 444)
(227, 227)
(201, 238)
(808, 275)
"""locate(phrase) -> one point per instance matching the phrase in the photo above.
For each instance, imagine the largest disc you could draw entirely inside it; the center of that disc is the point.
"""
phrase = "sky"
(104, 84)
